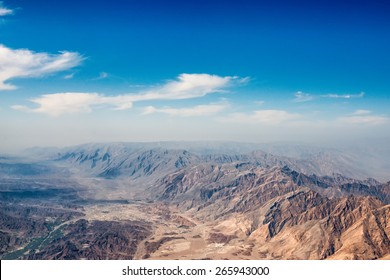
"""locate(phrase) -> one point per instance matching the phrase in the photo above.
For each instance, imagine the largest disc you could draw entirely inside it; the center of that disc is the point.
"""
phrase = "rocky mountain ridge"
(136, 160)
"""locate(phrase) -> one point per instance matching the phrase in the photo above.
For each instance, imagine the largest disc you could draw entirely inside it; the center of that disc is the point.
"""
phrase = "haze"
(232, 71)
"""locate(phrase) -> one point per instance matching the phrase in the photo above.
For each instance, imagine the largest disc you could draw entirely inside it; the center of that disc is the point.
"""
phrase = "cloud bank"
(186, 86)
(364, 117)
(267, 117)
(196, 111)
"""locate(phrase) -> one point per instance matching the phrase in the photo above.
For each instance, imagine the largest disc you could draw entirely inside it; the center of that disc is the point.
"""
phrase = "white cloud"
(343, 96)
(245, 80)
(60, 103)
(23, 63)
(186, 86)
(69, 76)
(191, 86)
(364, 117)
(270, 117)
(196, 111)
(5, 11)
(302, 97)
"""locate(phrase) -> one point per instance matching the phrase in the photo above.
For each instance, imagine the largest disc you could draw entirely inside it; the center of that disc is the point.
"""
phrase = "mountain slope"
(116, 161)
(284, 210)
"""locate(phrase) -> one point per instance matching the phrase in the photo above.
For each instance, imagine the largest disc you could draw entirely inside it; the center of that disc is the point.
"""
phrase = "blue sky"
(255, 71)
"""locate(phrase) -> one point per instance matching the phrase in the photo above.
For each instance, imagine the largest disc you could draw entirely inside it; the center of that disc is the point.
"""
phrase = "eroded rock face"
(153, 246)
(286, 203)
(364, 218)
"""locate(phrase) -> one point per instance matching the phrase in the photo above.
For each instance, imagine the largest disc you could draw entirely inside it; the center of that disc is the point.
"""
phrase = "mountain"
(174, 200)
(353, 160)
(137, 160)
(115, 161)
(236, 185)
(284, 210)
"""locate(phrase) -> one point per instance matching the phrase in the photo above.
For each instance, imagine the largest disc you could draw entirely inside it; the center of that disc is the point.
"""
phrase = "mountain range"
(192, 201)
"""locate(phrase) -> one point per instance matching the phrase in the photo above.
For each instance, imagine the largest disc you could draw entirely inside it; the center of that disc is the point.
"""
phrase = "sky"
(73, 72)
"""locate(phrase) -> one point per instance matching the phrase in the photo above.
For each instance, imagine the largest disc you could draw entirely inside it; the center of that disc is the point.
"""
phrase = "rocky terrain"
(98, 240)
(134, 201)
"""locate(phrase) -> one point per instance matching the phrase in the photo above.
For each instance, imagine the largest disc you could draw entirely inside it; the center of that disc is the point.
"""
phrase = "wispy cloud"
(69, 76)
(361, 113)
(196, 111)
(364, 117)
(5, 11)
(343, 96)
(184, 87)
(102, 75)
(302, 97)
(305, 97)
(22, 63)
(245, 80)
(269, 117)
(259, 102)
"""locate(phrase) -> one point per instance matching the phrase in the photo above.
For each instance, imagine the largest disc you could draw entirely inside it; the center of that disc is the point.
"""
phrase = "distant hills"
(116, 159)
